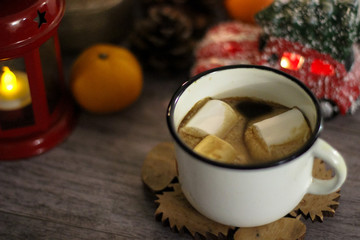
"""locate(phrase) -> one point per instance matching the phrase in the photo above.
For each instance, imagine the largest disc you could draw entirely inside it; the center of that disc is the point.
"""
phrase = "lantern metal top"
(26, 24)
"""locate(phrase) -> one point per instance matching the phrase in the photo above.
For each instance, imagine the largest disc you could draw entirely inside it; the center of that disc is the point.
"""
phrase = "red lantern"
(36, 112)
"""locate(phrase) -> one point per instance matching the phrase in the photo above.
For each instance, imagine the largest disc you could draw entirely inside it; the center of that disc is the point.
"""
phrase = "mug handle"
(333, 158)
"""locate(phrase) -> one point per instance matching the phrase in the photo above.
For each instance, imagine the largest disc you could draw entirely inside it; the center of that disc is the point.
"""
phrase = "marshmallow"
(217, 149)
(215, 118)
(283, 128)
(278, 136)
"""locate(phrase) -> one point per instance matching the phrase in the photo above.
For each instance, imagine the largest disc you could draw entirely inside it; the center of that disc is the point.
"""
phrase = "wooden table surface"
(89, 187)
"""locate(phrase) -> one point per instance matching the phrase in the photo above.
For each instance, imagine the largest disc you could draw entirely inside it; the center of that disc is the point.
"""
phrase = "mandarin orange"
(245, 10)
(106, 78)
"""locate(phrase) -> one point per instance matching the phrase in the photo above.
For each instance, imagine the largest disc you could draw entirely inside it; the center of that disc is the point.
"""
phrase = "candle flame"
(8, 80)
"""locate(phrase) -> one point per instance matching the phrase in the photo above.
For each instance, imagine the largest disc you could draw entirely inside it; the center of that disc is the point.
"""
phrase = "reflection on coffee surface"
(242, 130)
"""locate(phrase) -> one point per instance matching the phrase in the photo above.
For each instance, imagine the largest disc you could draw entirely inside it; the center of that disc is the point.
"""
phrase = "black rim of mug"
(185, 85)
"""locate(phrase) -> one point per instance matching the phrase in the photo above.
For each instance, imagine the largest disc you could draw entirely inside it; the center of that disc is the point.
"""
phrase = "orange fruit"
(245, 10)
(106, 78)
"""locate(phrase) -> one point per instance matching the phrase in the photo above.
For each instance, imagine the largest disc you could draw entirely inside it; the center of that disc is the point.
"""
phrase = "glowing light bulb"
(284, 62)
(8, 80)
(291, 61)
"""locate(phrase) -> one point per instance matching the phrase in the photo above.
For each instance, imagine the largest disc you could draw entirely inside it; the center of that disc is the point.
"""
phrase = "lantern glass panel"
(51, 73)
(15, 97)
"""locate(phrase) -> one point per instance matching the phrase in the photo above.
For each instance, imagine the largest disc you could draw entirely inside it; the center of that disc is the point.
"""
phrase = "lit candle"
(14, 90)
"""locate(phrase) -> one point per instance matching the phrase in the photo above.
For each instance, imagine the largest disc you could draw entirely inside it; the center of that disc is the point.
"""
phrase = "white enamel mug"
(251, 195)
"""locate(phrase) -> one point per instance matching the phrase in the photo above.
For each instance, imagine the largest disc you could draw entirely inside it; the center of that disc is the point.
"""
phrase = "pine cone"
(162, 40)
(202, 13)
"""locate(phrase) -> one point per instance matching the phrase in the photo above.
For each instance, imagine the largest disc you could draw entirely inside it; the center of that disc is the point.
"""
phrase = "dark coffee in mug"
(244, 130)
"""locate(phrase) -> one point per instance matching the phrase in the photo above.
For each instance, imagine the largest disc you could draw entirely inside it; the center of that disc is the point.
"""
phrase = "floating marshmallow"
(217, 149)
(283, 128)
(277, 136)
(215, 118)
